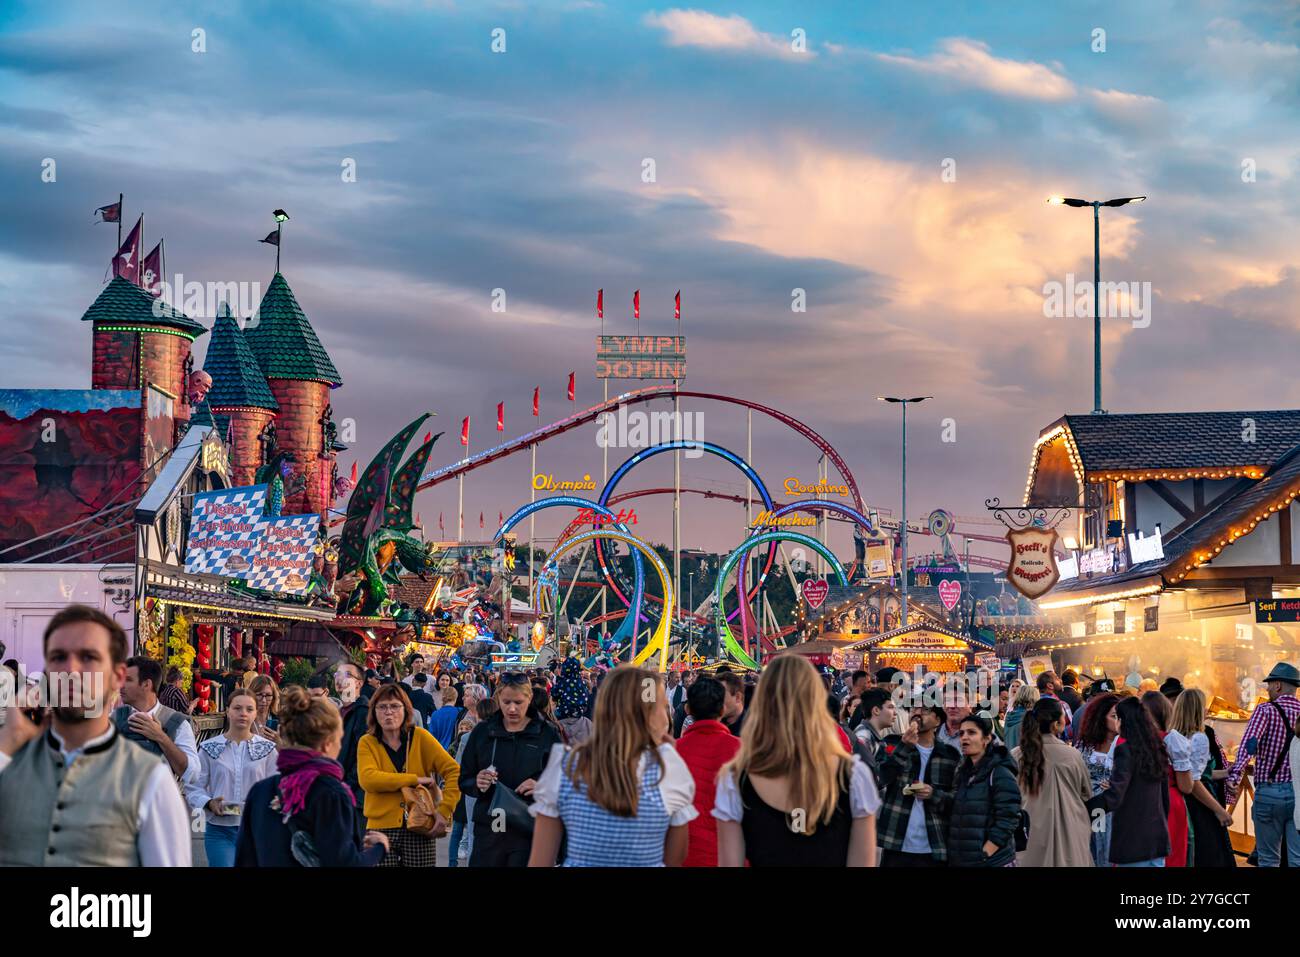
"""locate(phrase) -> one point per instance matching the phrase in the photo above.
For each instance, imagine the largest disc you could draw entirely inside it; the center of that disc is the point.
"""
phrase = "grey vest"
(84, 814)
(169, 719)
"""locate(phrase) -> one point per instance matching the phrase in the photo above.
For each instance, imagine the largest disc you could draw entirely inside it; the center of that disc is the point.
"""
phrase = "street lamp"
(1096, 280)
(904, 403)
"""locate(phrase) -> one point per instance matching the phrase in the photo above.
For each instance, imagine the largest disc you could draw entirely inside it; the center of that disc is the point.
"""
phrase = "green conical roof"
(203, 415)
(283, 340)
(237, 378)
(123, 301)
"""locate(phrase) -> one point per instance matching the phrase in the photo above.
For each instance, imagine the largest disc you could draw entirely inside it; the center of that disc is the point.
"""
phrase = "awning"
(1115, 591)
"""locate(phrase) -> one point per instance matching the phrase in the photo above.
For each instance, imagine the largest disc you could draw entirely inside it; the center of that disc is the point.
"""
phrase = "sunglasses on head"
(514, 678)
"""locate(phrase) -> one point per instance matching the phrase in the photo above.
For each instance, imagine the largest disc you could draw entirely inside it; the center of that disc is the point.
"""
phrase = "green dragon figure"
(376, 543)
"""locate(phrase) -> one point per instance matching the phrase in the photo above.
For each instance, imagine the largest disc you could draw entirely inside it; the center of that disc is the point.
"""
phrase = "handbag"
(420, 809)
(506, 804)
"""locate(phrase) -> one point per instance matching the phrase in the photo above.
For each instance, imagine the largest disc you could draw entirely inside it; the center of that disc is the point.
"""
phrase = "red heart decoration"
(949, 593)
(814, 591)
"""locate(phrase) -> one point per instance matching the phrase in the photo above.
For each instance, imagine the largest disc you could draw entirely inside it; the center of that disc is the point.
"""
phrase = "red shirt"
(705, 747)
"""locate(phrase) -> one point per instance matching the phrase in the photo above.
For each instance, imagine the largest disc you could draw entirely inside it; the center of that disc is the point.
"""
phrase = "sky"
(891, 162)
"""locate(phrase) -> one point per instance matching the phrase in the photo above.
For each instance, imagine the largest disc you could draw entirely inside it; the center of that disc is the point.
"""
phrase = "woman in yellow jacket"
(396, 753)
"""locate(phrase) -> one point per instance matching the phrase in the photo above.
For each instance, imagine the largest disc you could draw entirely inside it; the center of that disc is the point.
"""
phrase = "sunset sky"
(775, 170)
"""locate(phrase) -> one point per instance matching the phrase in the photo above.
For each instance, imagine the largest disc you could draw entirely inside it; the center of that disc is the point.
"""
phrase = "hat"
(1284, 672)
(1172, 688)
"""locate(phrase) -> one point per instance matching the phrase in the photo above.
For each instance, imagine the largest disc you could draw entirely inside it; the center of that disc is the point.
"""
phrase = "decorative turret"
(240, 401)
(139, 342)
(300, 375)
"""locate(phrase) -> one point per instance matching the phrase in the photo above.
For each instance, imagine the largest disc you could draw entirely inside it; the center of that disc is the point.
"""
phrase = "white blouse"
(1184, 755)
(676, 785)
(864, 799)
(228, 770)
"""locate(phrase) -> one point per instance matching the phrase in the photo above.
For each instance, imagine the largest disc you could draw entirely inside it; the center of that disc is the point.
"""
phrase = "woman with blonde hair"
(792, 796)
(624, 796)
(305, 816)
(1189, 753)
(397, 753)
(267, 695)
(1022, 702)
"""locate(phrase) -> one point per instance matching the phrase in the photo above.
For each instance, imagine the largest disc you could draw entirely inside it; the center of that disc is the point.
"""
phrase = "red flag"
(151, 272)
(501, 416)
(636, 304)
(464, 432)
(418, 524)
(600, 304)
(501, 519)
(111, 213)
(536, 394)
(571, 386)
(440, 521)
(427, 437)
(480, 521)
(354, 473)
(127, 261)
(677, 305)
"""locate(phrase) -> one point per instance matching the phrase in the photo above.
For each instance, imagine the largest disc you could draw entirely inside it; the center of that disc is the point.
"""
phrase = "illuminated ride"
(729, 642)
(659, 640)
(627, 629)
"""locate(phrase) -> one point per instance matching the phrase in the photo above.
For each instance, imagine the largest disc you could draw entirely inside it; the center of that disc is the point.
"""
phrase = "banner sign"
(1279, 609)
(815, 591)
(949, 593)
(640, 357)
(229, 536)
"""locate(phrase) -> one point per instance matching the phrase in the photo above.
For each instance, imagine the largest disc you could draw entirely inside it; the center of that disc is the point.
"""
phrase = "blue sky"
(775, 170)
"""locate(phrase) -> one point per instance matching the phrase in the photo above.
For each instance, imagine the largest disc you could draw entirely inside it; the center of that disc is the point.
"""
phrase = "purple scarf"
(298, 771)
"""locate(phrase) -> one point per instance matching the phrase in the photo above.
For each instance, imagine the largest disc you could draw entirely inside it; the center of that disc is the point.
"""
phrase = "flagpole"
(120, 210)
(139, 252)
(460, 497)
(279, 226)
(677, 492)
(532, 497)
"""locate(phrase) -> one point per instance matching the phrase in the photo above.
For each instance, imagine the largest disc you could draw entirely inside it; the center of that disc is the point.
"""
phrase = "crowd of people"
(632, 768)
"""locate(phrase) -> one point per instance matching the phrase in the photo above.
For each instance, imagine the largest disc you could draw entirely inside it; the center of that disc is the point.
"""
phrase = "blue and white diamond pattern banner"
(283, 562)
(225, 532)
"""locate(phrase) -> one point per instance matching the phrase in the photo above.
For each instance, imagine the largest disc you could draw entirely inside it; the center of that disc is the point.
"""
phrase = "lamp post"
(690, 608)
(903, 524)
(1096, 280)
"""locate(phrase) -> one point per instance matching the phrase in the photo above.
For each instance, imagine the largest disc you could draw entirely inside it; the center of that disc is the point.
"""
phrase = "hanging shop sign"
(879, 557)
(949, 593)
(641, 357)
(1032, 570)
(1151, 618)
(1147, 548)
(230, 536)
(815, 591)
(1097, 561)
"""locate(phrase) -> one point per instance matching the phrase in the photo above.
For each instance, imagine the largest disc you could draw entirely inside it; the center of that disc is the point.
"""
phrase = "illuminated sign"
(547, 483)
(1147, 549)
(1097, 560)
(794, 487)
(765, 517)
(641, 357)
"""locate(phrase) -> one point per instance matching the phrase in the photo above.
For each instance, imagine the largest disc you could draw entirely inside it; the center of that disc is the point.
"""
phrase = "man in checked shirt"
(1267, 740)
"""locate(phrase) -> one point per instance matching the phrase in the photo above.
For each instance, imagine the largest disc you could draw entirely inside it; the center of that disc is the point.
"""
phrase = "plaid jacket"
(901, 767)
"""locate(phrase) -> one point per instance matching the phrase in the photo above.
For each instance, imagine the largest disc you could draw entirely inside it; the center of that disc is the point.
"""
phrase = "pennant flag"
(440, 522)
(480, 521)
(536, 394)
(677, 305)
(127, 261)
(427, 437)
(636, 304)
(501, 519)
(571, 386)
(354, 474)
(272, 238)
(501, 416)
(151, 272)
(464, 432)
(112, 213)
(600, 304)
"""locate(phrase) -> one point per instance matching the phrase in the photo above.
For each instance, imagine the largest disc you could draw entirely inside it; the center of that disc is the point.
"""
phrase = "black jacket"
(335, 824)
(985, 807)
(1139, 809)
(517, 757)
(422, 702)
(354, 726)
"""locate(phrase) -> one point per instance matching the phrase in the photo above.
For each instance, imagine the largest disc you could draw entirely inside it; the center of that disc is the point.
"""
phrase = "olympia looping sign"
(641, 357)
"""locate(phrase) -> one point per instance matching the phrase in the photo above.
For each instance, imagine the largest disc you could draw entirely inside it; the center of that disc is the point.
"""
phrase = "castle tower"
(240, 401)
(300, 374)
(142, 343)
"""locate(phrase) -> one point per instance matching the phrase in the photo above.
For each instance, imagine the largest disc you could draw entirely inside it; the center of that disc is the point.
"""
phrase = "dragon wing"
(401, 498)
(367, 504)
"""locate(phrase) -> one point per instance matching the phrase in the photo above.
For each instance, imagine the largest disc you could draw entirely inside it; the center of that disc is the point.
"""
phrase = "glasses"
(514, 678)
(268, 695)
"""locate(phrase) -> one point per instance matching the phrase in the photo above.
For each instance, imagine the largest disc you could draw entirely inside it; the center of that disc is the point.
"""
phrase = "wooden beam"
(1198, 494)
(1172, 500)
(1131, 507)
(1236, 488)
(1288, 574)
(1284, 535)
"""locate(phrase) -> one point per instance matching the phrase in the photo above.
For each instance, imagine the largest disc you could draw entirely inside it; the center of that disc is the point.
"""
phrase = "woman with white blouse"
(793, 796)
(1189, 753)
(624, 796)
(229, 765)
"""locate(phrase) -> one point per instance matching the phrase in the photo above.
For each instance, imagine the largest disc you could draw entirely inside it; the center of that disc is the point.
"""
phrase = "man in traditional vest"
(151, 724)
(73, 792)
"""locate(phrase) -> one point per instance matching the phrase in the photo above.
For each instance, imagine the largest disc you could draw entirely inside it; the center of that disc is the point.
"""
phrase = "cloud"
(695, 28)
(970, 63)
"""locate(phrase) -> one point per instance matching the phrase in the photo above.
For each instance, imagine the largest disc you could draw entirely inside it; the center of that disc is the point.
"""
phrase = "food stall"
(927, 645)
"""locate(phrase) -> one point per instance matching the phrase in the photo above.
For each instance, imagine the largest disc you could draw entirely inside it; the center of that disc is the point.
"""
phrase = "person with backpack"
(306, 816)
(1267, 740)
(986, 803)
